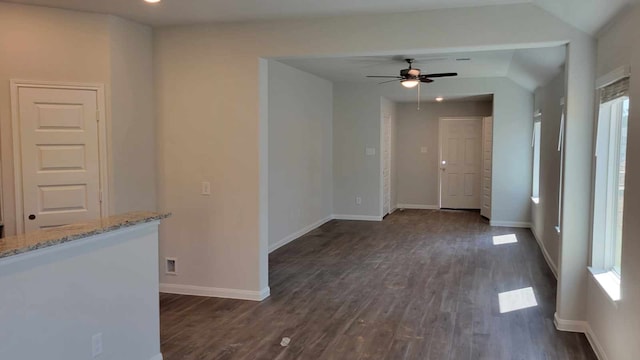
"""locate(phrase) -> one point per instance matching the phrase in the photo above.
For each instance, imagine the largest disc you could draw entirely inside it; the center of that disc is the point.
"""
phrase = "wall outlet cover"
(171, 266)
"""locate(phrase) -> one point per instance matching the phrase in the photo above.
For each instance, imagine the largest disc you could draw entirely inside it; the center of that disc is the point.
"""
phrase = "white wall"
(210, 123)
(133, 130)
(300, 152)
(38, 43)
(417, 171)
(616, 329)
(544, 216)
(356, 126)
(54, 300)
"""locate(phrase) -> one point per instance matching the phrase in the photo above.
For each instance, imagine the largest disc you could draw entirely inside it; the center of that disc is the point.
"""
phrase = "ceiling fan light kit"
(412, 77)
(410, 83)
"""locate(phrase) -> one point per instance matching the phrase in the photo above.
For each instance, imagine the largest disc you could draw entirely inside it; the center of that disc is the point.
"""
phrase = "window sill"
(535, 200)
(608, 282)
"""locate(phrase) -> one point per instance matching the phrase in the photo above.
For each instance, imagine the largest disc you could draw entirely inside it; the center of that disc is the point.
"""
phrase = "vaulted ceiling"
(587, 15)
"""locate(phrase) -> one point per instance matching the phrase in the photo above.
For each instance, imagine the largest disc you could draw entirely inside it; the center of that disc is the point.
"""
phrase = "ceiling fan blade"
(384, 82)
(388, 77)
(439, 75)
(426, 60)
(425, 80)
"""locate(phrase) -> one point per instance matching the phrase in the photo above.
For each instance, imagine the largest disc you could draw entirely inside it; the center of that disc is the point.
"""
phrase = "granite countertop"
(35, 240)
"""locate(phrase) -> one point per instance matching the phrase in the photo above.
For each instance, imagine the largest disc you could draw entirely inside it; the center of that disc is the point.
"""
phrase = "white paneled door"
(386, 164)
(487, 166)
(59, 143)
(460, 163)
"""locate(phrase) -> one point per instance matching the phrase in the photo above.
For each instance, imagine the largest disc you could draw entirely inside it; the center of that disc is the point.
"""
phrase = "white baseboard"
(584, 328)
(215, 292)
(156, 357)
(570, 325)
(546, 255)
(513, 224)
(595, 344)
(299, 233)
(357, 217)
(418, 207)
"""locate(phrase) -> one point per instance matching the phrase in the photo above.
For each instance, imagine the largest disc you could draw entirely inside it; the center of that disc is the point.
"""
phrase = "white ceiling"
(587, 15)
(529, 68)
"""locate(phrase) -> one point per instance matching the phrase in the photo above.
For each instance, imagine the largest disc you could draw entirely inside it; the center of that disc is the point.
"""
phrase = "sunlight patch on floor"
(517, 300)
(505, 239)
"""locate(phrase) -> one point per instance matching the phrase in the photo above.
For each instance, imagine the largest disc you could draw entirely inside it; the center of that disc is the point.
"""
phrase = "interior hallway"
(421, 284)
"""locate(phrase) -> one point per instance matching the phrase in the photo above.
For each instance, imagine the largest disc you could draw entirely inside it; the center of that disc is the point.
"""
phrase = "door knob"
(32, 217)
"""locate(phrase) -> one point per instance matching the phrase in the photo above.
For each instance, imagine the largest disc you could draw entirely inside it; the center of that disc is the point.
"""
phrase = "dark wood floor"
(419, 285)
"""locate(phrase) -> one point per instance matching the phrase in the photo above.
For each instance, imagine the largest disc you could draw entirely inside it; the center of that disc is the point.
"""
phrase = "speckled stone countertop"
(35, 240)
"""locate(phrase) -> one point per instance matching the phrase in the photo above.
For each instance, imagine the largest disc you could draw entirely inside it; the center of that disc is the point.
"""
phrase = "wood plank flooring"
(421, 284)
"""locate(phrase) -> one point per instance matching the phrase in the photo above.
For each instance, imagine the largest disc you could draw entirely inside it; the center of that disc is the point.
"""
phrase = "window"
(535, 191)
(609, 184)
(561, 173)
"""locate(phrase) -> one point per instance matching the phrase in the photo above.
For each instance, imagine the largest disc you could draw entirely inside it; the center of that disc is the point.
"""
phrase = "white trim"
(418, 207)
(615, 75)
(584, 328)
(570, 325)
(158, 356)
(103, 149)
(299, 233)
(595, 344)
(606, 283)
(215, 292)
(356, 217)
(513, 224)
(547, 257)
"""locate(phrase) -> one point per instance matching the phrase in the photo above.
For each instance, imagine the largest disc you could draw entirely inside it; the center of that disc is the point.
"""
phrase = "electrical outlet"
(96, 345)
(358, 200)
(423, 149)
(370, 151)
(171, 266)
(206, 188)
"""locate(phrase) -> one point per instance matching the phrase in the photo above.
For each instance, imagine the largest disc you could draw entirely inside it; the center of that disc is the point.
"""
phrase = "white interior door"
(386, 164)
(60, 163)
(487, 165)
(460, 165)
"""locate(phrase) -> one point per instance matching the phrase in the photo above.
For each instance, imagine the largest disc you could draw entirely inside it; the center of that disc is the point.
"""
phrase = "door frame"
(103, 178)
(441, 142)
(382, 138)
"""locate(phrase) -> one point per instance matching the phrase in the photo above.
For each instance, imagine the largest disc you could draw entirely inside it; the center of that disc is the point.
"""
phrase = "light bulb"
(439, 99)
(410, 83)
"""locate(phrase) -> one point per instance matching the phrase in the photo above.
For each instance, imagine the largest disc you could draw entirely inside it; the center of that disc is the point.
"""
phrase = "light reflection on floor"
(517, 300)
(505, 239)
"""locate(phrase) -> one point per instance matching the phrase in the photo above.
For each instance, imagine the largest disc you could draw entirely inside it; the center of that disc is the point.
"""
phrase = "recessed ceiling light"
(439, 99)
(152, 1)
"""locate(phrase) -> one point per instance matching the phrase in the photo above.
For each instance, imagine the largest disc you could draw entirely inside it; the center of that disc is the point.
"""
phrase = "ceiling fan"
(411, 76)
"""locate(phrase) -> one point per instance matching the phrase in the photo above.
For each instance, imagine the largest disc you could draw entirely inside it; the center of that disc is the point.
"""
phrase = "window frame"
(536, 145)
(606, 236)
